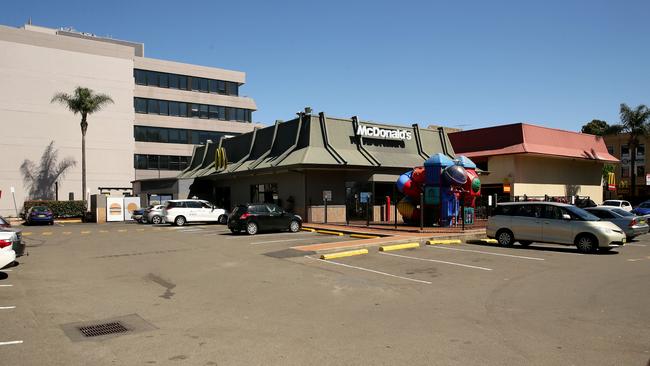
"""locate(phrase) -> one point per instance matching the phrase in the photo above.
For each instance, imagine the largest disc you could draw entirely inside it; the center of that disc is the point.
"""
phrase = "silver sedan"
(631, 224)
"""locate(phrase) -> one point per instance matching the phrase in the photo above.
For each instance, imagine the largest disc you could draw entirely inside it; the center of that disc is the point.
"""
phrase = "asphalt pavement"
(198, 295)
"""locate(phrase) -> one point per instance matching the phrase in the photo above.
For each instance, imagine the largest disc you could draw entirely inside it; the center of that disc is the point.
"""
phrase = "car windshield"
(622, 212)
(582, 214)
(40, 209)
(611, 203)
(645, 205)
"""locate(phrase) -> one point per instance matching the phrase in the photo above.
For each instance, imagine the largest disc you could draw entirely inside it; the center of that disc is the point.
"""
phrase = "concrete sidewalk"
(384, 236)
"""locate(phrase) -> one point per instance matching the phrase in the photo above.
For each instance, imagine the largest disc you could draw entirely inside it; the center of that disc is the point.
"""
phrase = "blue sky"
(456, 63)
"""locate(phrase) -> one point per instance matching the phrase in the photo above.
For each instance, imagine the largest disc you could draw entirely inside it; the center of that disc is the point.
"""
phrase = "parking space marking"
(10, 342)
(368, 270)
(86, 232)
(47, 233)
(5, 270)
(232, 236)
(7, 307)
(121, 230)
(67, 232)
(635, 245)
(6, 285)
(103, 231)
(490, 253)
(436, 261)
(191, 230)
(278, 241)
(139, 229)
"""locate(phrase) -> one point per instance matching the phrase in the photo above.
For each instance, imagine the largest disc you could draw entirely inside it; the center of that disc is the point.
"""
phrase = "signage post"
(13, 193)
(327, 196)
(421, 211)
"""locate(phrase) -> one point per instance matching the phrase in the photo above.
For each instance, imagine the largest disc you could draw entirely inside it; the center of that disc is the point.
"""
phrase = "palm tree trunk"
(633, 172)
(84, 128)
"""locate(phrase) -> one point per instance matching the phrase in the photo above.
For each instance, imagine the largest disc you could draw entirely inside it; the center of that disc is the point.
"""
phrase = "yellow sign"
(220, 159)
(611, 181)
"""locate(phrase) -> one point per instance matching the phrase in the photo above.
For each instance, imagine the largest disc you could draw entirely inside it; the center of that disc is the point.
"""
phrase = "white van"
(550, 222)
(180, 212)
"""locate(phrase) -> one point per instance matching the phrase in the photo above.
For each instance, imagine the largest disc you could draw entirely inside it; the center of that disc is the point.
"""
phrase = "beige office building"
(161, 110)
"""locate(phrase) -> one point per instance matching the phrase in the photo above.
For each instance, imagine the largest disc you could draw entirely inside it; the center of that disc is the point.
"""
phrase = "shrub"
(60, 209)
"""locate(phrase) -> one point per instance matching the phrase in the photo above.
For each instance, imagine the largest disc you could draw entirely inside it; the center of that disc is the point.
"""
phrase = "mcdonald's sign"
(220, 159)
(611, 181)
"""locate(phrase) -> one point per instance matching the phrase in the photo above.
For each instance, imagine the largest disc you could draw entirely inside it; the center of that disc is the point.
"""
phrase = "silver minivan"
(550, 222)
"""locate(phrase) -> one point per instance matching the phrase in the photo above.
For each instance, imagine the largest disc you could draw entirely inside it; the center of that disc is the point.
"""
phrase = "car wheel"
(505, 238)
(179, 221)
(294, 227)
(525, 243)
(156, 220)
(586, 243)
(223, 219)
(251, 228)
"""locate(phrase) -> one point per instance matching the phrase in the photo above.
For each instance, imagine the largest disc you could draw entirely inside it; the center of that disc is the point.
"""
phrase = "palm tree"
(40, 178)
(83, 101)
(634, 122)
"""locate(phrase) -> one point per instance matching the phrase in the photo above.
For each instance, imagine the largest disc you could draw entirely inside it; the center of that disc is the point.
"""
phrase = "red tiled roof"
(520, 138)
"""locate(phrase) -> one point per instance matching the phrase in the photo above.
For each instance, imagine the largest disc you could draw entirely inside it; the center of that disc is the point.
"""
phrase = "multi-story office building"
(617, 145)
(161, 110)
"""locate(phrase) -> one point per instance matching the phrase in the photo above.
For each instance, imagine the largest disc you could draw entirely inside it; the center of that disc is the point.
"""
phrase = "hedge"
(60, 209)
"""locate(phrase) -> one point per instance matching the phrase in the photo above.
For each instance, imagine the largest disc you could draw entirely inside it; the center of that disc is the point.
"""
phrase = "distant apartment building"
(161, 110)
(617, 145)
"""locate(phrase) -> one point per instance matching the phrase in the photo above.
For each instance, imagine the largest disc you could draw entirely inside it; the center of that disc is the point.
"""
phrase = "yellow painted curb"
(47, 233)
(67, 232)
(482, 241)
(446, 241)
(307, 229)
(329, 232)
(348, 253)
(121, 231)
(363, 236)
(103, 231)
(85, 232)
(388, 248)
(27, 234)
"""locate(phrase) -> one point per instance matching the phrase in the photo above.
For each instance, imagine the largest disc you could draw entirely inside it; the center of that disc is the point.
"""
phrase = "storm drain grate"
(96, 330)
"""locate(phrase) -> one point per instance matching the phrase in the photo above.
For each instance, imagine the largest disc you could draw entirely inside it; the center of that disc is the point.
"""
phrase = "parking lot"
(198, 295)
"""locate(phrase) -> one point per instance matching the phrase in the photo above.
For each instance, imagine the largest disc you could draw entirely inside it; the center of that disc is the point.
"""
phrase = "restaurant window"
(140, 105)
(163, 80)
(264, 193)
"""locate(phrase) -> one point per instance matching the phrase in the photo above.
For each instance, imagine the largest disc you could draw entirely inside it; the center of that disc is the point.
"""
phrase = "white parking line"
(436, 261)
(279, 241)
(10, 342)
(233, 237)
(368, 270)
(6, 285)
(5, 270)
(190, 230)
(635, 245)
(7, 307)
(482, 252)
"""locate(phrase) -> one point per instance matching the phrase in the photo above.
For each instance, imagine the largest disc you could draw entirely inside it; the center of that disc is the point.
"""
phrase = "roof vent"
(308, 110)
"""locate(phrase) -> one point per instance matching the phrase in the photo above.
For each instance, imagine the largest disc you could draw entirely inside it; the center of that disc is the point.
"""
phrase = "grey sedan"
(631, 224)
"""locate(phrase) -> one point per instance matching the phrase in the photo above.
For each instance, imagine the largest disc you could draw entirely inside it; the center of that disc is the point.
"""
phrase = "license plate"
(41, 215)
(641, 222)
(623, 240)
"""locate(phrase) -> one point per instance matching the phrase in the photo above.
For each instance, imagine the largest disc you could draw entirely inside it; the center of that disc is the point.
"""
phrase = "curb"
(388, 248)
(481, 241)
(348, 253)
(364, 236)
(443, 241)
(307, 229)
(329, 232)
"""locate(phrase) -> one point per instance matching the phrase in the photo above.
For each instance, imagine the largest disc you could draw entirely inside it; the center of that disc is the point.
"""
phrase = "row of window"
(184, 82)
(176, 135)
(160, 162)
(625, 150)
(625, 171)
(193, 110)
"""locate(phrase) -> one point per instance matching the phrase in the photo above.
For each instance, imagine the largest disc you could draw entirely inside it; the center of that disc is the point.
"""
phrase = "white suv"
(180, 212)
(549, 222)
(624, 205)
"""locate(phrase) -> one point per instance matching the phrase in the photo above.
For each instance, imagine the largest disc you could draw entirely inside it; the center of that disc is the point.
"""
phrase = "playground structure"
(443, 188)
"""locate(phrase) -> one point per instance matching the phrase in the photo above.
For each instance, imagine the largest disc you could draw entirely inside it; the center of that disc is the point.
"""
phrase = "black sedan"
(256, 217)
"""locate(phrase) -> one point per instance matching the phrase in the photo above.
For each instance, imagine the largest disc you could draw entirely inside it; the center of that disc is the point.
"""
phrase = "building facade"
(617, 145)
(161, 110)
(533, 161)
(299, 163)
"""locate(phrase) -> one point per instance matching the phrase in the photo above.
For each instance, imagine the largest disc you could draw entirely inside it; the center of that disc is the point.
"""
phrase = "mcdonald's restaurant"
(306, 164)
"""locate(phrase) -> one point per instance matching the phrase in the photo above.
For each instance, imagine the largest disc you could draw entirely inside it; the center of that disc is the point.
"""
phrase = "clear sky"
(457, 63)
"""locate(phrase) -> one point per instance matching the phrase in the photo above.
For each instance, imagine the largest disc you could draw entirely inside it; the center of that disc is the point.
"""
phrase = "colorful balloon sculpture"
(444, 183)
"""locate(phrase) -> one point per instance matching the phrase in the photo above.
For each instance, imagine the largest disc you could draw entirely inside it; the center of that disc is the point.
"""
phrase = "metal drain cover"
(106, 328)
(102, 329)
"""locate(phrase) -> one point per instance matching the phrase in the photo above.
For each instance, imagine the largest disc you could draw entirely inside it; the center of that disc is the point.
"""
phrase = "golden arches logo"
(220, 159)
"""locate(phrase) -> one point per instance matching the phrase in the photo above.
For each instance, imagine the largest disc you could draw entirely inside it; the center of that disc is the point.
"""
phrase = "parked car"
(631, 224)
(253, 218)
(138, 215)
(4, 223)
(39, 214)
(180, 212)
(154, 214)
(550, 222)
(643, 209)
(584, 202)
(7, 241)
(625, 205)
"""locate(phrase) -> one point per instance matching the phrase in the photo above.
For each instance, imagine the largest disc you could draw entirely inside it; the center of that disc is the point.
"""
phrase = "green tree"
(83, 101)
(634, 122)
(596, 127)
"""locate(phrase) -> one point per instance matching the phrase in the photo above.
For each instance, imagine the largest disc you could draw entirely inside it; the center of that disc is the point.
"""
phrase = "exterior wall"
(623, 181)
(33, 67)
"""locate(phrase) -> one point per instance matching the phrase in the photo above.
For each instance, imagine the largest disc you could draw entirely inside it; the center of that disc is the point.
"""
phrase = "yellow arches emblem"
(220, 159)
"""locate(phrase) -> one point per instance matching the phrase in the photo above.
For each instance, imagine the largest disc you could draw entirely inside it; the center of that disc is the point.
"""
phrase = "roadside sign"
(611, 181)
(364, 197)
(327, 195)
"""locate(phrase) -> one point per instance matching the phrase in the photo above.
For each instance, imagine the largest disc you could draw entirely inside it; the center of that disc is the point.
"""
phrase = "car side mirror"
(566, 217)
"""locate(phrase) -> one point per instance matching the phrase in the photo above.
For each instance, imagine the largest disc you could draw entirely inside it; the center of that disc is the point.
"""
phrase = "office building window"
(182, 109)
(173, 81)
(640, 151)
(140, 77)
(241, 115)
(163, 80)
(140, 161)
(194, 111)
(152, 106)
(164, 108)
(221, 87)
(160, 162)
(214, 112)
(203, 85)
(231, 88)
(203, 111)
(176, 135)
(213, 86)
(625, 150)
(195, 84)
(140, 105)
(152, 78)
(152, 162)
(173, 109)
(163, 162)
(182, 82)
